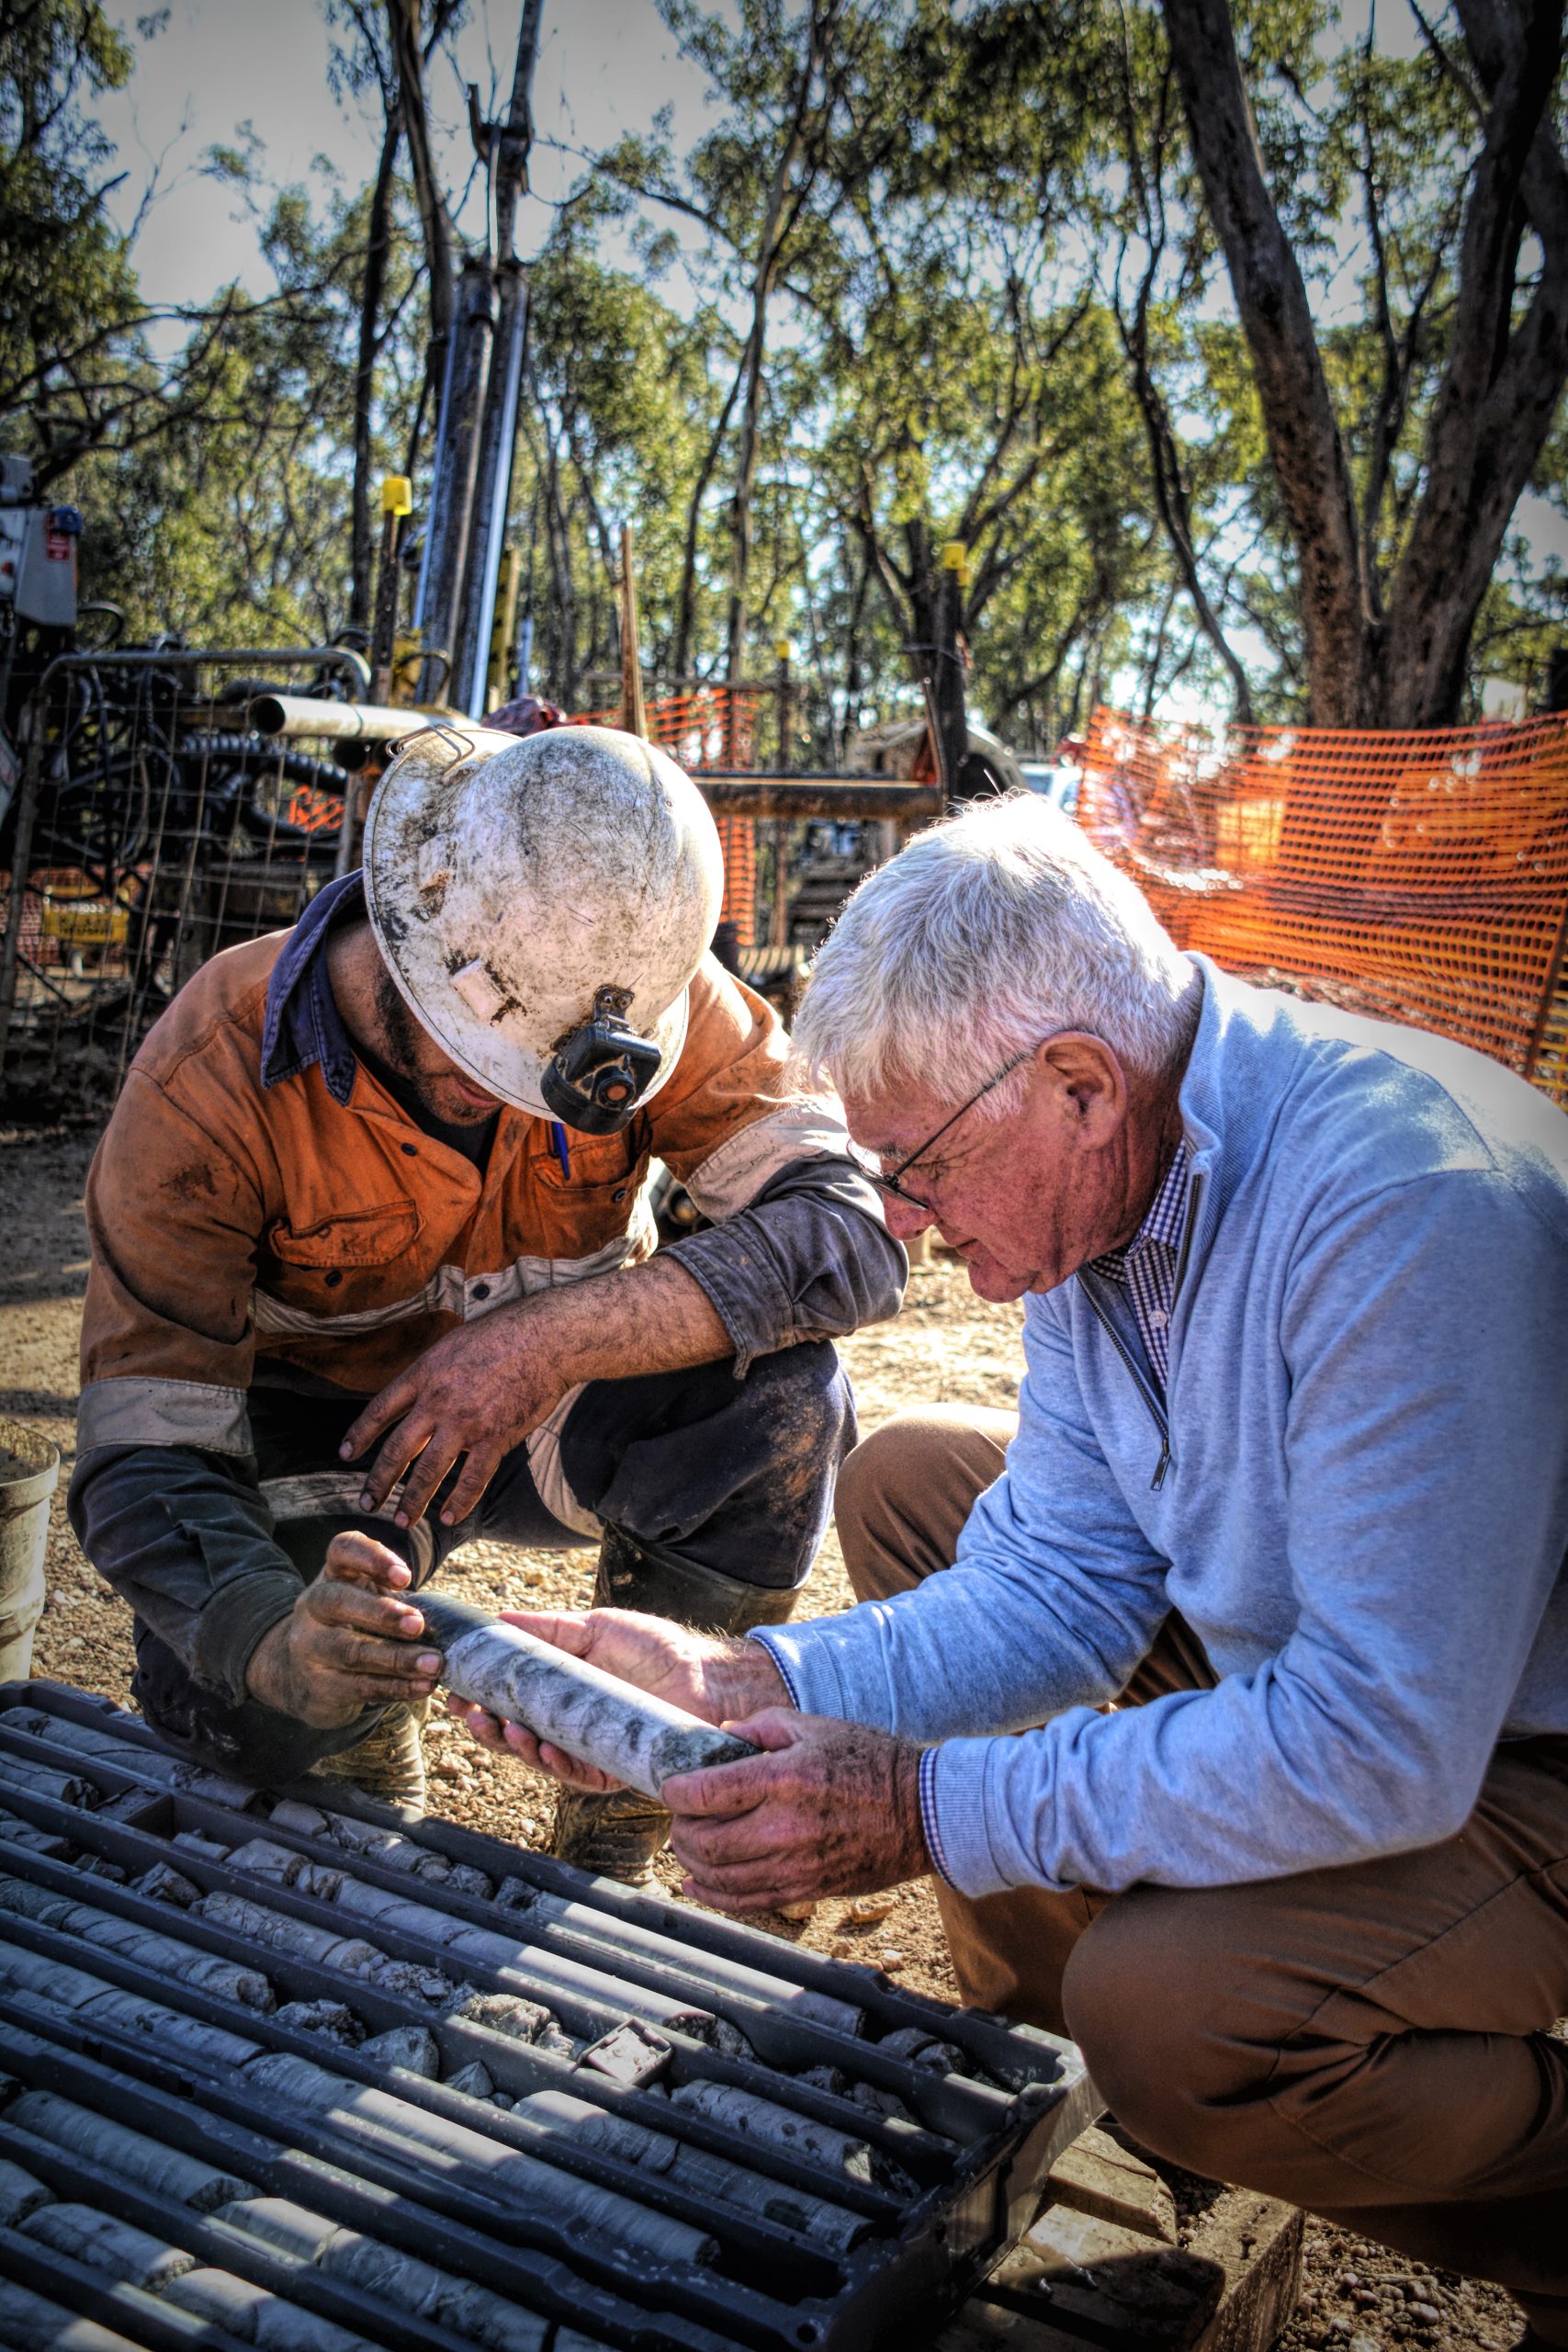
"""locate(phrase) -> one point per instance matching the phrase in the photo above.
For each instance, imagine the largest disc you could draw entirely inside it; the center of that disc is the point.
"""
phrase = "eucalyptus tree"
(1392, 214)
(620, 416)
(815, 106)
(77, 372)
(387, 46)
(982, 445)
(232, 522)
(885, 209)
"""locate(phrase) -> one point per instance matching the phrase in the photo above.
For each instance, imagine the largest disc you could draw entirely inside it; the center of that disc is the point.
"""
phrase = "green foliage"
(67, 290)
(961, 251)
(623, 403)
(228, 522)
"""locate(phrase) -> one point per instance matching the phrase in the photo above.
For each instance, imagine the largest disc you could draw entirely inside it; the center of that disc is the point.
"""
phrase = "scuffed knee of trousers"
(874, 1493)
(802, 1400)
(807, 1395)
(1155, 1997)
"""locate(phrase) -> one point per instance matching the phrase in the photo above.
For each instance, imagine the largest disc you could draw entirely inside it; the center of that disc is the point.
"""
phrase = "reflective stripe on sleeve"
(549, 1477)
(733, 1175)
(450, 1291)
(162, 1412)
(334, 1494)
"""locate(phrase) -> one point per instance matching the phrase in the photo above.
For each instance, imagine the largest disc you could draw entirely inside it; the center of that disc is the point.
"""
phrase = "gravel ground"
(947, 1345)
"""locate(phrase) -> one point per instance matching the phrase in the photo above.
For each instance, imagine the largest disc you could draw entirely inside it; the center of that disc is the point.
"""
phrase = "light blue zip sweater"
(1361, 1511)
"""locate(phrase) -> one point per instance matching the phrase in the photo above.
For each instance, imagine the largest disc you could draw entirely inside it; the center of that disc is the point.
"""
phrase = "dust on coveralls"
(275, 1236)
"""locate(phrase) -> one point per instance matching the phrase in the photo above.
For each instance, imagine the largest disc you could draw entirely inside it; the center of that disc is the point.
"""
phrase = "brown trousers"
(1372, 2043)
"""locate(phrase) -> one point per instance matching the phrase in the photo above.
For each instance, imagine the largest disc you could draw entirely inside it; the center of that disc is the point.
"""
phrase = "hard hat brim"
(510, 1072)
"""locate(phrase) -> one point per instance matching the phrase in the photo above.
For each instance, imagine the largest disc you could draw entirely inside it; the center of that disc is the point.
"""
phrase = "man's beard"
(401, 1043)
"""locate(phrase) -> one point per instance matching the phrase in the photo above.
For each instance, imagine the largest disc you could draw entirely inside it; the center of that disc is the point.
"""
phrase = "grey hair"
(986, 934)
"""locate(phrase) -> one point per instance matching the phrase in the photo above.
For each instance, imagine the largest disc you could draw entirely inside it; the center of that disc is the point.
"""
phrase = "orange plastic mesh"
(713, 726)
(737, 841)
(1419, 877)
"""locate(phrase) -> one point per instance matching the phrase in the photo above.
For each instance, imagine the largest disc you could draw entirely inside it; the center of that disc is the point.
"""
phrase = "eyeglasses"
(870, 1162)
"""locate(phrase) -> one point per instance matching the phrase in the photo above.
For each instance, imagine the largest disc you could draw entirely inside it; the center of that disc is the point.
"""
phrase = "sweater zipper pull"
(1161, 1466)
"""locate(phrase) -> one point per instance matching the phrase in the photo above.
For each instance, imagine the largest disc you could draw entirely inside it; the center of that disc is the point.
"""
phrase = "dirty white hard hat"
(542, 904)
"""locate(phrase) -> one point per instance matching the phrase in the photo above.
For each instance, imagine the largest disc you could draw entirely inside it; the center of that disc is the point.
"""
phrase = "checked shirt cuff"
(928, 1817)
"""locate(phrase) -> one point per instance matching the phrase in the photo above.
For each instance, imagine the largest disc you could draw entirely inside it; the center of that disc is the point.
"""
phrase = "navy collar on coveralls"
(303, 1024)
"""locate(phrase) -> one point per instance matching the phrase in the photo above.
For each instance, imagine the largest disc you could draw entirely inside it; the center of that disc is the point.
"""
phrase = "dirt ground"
(947, 1345)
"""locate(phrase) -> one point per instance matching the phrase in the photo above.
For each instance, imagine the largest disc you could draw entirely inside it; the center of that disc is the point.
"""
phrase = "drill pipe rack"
(299, 2058)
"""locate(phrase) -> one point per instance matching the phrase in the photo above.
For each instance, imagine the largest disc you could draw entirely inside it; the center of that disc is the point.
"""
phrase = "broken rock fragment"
(629, 2054)
(412, 2046)
(331, 2019)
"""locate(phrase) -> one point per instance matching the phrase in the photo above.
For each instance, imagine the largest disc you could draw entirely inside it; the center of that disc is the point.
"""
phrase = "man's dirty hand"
(349, 1641)
(478, 1393)
(831, 1808)
(483, 1389)
(705, 1673)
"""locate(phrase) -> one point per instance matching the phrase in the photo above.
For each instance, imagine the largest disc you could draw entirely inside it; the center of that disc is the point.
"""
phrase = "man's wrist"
(234, 1625)
(745, 1679)
(909, 1813)
(267, 1676)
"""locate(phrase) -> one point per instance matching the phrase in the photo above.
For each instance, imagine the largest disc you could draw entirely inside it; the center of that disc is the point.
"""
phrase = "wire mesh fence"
(151, 829)
(705, 727)
(154, 827)
(1418, 877)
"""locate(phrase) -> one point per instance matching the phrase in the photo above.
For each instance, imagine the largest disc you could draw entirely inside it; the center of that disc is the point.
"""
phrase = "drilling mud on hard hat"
(542, 905)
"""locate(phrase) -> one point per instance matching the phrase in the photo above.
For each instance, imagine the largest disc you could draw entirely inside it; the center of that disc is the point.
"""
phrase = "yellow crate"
(75, 916)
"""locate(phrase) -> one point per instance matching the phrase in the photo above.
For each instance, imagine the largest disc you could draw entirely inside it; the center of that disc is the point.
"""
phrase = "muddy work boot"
(617, 1835)
(388, 1762)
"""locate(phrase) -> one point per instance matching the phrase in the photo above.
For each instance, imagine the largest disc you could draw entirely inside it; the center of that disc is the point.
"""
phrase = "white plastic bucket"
(29, 1471)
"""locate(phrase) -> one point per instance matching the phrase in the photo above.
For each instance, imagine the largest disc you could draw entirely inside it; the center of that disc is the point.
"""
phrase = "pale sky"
(606, 66)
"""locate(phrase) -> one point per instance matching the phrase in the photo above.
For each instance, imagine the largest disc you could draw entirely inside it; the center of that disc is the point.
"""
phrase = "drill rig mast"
(477, 428)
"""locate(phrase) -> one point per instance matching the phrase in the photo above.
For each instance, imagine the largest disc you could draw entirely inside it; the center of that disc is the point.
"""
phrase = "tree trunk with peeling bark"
(1397, 658)
(403, 22)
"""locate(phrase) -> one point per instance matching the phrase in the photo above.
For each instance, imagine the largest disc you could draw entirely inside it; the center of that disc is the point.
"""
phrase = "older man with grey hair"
(1226, 1688)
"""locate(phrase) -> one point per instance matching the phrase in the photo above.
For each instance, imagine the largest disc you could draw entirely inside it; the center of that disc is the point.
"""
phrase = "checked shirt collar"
(1145, 1266)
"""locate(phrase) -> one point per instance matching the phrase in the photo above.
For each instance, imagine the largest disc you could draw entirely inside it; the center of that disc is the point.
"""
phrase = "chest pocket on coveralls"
(589, 1206)
(347, 1242)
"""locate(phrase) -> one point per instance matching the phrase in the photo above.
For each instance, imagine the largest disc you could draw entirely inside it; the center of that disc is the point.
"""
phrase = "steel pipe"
(438, 604)
(492, 489)
(303, 716)
(640, 1740)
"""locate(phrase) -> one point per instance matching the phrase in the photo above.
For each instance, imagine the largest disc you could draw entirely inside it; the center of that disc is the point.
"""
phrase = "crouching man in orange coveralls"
(401, 1150)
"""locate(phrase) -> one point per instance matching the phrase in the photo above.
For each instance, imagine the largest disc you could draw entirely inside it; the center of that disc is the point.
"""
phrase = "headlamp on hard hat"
(600, 1071)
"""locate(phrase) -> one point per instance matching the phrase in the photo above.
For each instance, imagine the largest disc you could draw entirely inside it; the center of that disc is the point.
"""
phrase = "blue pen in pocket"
(557, 1137)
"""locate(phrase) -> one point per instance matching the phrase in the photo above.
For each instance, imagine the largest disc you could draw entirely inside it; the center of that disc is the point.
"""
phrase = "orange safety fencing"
(1418, 877)
(713, 726)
